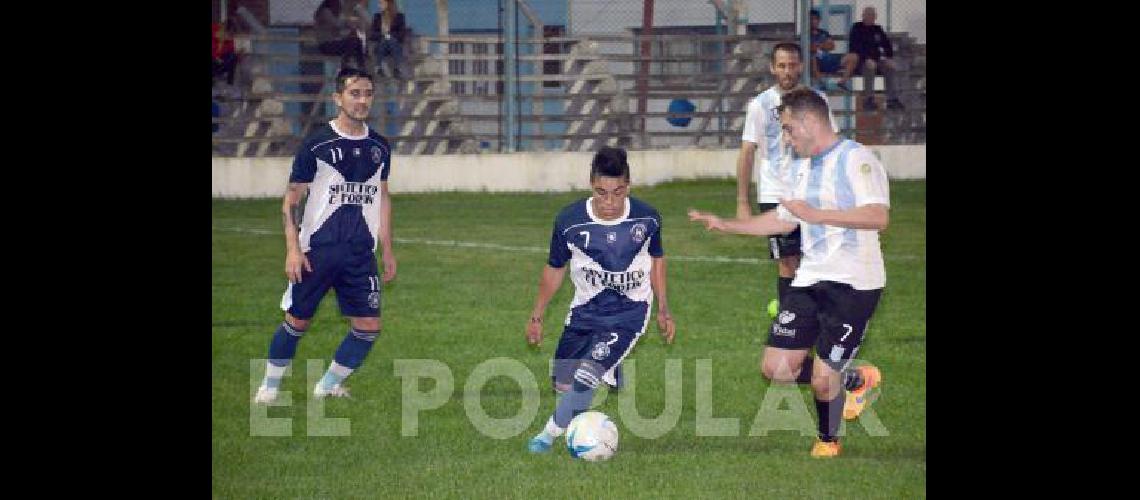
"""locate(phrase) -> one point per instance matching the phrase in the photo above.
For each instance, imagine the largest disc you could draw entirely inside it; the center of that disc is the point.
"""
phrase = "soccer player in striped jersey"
(611, 244)
(762, 134)
(331, 242)
(838, 197)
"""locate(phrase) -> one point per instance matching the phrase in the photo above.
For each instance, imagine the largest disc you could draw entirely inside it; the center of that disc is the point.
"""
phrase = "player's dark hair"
(347, 73)
(802, 99)
(792, 48)
(609, 162)
(814, 13)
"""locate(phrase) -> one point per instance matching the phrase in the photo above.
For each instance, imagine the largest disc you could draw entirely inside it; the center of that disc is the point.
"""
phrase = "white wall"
(548, 171)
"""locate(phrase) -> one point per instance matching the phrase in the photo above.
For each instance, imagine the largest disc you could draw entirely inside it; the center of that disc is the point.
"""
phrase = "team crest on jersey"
(600, 351)
(374, 300)
(638, 232)
(376, 155)
(355, 151)
(865, 168)
(611, 237)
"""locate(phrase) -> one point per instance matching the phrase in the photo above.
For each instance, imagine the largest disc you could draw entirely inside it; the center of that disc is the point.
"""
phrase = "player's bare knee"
(297, 323)
(779, 369)
(562, 388)
(369, 324)
(824, 387)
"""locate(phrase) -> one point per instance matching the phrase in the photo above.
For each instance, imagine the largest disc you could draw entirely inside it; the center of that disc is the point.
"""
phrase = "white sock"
(552, 429)
(335, 374)
(273, 374)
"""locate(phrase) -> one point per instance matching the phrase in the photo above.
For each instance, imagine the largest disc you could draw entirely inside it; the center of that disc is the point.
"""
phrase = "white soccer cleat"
(265, 395)
(337, 391)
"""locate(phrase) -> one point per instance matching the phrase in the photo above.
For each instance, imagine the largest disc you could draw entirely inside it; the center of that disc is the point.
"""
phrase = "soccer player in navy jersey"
(611, 244)
(331, 239)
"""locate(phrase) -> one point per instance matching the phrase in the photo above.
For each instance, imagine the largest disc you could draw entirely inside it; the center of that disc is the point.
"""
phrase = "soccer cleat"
(337, 391)
(265, 395)
(861, 397)
(824, 449)
(538, 445)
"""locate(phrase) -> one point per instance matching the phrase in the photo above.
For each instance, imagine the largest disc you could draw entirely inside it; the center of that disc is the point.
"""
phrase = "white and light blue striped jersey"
(344, 174)
(845, 176)
(610, 263)
(762, 127)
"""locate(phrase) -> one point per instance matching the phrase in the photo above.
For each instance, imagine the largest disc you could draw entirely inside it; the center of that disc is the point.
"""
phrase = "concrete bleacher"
(283, 89)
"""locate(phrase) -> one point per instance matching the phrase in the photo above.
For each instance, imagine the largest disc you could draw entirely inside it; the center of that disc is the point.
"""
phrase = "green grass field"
(469, 265)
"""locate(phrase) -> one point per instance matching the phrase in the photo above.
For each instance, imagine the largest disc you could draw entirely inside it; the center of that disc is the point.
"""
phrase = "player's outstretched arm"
(870, 216)
(386, 256)
(547, 286)
(665, 323)
(761, 225)
(291, 211)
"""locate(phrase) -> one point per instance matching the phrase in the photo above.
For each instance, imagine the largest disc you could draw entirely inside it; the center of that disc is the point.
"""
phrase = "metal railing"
(571, 93)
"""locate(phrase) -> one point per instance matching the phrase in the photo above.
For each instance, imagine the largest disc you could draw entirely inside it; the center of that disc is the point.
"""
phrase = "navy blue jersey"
(610, 264)
(344, 175)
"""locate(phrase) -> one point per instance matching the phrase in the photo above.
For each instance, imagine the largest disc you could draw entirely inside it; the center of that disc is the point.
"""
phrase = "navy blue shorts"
(349, 269)
(606, 349)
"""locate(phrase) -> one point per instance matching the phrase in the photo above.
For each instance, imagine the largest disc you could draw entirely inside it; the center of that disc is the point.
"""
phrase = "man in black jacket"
(871, 44)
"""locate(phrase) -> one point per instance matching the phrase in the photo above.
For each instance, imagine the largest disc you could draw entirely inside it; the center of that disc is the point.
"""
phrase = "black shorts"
(781, 245)
(831, 316)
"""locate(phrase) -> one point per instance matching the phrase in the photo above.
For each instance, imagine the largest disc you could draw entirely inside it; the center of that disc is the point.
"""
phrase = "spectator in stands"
(824, 61)
(225, 58)
(873, 48)
(339, 33)
(389, 31)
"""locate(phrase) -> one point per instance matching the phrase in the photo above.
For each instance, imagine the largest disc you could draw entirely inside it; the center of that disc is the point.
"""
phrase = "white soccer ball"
(592, 436)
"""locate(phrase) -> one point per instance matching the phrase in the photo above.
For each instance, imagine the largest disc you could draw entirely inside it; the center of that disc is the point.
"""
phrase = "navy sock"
(580, 396)
(283, 347)
(355, 347)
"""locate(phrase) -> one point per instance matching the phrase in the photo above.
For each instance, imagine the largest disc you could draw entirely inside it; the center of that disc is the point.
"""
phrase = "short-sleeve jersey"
(762, 127)
(610, 263)
(344, 174)
(845, 176)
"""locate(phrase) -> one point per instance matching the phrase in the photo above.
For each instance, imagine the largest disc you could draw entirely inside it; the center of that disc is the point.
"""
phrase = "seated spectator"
(225, 58)
(872, 47)
(339, 33)
(389, 31)
(823, 60)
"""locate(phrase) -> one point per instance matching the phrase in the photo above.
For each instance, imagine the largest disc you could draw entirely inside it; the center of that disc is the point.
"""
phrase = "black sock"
(782, 285)
(830, 416)
(852, 379)
(805, 372)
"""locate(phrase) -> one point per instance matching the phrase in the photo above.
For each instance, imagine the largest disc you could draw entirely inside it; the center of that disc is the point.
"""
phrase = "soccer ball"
(592, 436)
